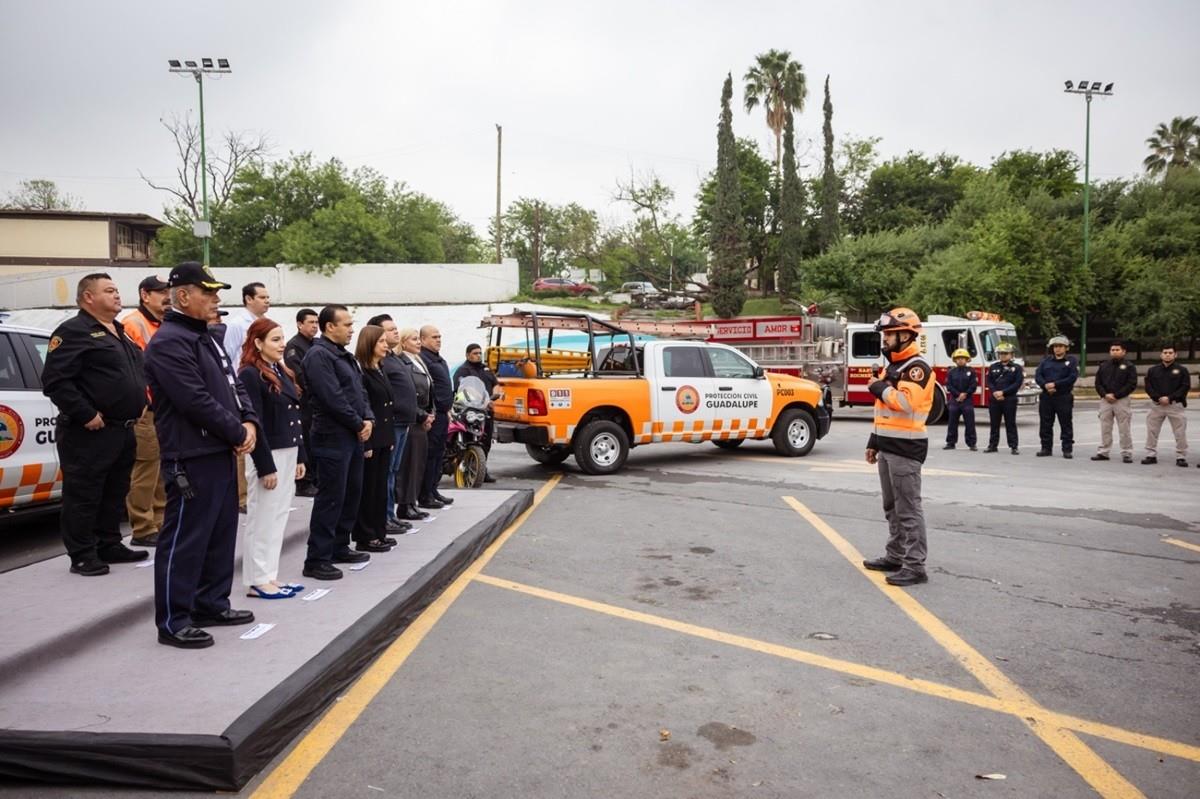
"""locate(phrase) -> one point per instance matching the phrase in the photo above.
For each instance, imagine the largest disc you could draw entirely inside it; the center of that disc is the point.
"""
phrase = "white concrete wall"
(353, 284)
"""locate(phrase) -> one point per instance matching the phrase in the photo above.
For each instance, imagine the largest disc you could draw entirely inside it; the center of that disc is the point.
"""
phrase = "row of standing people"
(207, 413)
(1166, 383)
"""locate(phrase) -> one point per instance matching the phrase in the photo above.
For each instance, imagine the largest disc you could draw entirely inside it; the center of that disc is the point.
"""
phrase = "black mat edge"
(230, 760)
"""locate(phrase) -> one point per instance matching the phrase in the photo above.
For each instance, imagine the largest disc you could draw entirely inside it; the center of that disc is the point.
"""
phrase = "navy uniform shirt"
(90, 370)
(439, 376)
(1006, 377)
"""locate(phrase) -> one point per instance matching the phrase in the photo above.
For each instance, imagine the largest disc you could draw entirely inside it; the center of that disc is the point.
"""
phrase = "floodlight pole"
(1087, 187)
(204, 175)
(197, 71)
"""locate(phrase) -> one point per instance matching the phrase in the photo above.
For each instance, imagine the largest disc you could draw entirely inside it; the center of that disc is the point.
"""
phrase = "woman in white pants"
(276, 462)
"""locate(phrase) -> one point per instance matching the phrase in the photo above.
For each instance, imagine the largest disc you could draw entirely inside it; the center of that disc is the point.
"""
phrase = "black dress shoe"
(881, 565)
(487, 477)
(391, 542)
(1016, 451)
(1126, 459)
(1068, 455)
(990, 449)
(411, 513)
(906, 577)
(351, 557)
(89, 566)
(226, 618)
(187, 638)
(323, 572)
(1181, 462)
(397, 526)
(1099, 457)
(445, 500)
(432, 504)
(119, 553)
(145, 541)
(1044, 453)
(1149, 459)
(369, 546)
(948, 446)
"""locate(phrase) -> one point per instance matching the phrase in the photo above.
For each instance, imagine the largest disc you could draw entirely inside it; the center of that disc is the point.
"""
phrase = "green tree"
(913, 190)
(869, 272)
(41, 195)
(1053, 173)
(854, 163)
(778, 84)
(726, 239)
(1173, 146)
(344, 232)
(547, 240)
(830, 227)
(756, 198)
(791, 217)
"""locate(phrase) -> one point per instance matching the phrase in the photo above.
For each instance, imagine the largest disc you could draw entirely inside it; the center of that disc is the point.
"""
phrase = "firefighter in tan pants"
(1167, 386)
(147, 500)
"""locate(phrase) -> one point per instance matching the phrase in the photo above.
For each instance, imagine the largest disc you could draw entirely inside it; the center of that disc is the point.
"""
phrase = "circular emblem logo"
(12, 431)
(916, 374)
(687, 399)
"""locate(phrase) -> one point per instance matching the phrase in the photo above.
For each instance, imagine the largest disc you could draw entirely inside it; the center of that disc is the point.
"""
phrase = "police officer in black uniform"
(204, 418)
(293, 355)
(1004, 379)
(94, 376)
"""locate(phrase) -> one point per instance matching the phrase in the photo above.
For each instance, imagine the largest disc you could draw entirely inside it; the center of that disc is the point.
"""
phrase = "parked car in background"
(636, 288)
(563, 284)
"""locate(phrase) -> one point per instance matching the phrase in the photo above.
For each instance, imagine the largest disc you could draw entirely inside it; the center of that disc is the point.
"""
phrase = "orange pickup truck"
(618, 393)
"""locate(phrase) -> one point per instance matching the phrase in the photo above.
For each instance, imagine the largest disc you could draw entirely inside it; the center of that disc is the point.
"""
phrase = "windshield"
(990, 338)
(471, 393)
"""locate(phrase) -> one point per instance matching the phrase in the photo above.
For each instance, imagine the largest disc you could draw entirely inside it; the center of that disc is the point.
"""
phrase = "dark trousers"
(966, 410)
(1060, 406)
(339, 457)
(436, 454)
(373, 508)
(396, 464)
(412, 466)
(96, 465)
(1006, 409)
(193, 563)
(310, 469)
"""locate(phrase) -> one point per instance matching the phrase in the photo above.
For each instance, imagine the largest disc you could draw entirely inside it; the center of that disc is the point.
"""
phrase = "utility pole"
(498, 237)
(203, 226)
(1087, 90)
(537, 239)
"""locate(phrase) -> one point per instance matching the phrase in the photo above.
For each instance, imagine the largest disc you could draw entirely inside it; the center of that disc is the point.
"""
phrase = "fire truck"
(844, 357)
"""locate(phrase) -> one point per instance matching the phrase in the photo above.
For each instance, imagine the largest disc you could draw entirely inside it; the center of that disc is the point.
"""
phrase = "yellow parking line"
(1183, 544)
(984, 701)
(288, 776)
(1103, 778)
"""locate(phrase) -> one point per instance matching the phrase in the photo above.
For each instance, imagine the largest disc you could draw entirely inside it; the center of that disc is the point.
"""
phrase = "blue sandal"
(255, 591)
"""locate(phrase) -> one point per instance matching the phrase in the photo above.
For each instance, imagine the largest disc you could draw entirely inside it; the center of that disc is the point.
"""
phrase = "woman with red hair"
(276, 462)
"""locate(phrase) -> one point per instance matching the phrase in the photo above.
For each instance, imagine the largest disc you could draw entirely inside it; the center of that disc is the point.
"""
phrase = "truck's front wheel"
(795, 433)
(548, 456)
(601, 447)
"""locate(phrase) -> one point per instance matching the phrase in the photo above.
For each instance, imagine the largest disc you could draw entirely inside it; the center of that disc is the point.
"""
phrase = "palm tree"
(777, 82)
(1174, 145)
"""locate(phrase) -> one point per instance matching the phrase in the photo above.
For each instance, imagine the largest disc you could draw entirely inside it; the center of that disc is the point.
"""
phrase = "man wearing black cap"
(204, 419)
(147, 499)
(94, 376)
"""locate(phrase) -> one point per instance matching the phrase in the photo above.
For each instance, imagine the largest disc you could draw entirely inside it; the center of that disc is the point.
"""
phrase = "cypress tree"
(830, 230)
(791, 215)
(726, 237)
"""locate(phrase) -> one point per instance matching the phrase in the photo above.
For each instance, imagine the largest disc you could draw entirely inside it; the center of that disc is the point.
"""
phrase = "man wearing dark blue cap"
(204, 419)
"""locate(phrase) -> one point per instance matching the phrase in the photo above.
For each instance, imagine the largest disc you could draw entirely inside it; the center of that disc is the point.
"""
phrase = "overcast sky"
(586, 92)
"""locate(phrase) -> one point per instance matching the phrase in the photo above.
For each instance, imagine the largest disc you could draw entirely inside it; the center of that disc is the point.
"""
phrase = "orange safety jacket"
(141, 327)
(903, 398)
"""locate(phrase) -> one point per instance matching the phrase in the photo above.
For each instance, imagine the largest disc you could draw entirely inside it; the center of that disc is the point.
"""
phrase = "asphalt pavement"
(697, 626)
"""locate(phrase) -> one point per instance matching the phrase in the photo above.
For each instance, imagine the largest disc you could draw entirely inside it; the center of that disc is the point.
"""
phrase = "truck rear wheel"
(601, 447)
(728, 443)
(795, 433)
(548, 456)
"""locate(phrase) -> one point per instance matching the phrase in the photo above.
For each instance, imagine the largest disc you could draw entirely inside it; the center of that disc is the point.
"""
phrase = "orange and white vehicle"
(29, 475)
(978, 333)
(609, 392)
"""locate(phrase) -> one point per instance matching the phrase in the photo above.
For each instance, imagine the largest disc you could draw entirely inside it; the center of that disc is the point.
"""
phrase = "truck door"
(28, 459)
(679, 410)
(740, 401)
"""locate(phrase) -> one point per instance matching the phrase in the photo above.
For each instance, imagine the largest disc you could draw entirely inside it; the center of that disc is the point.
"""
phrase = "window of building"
(131, 244)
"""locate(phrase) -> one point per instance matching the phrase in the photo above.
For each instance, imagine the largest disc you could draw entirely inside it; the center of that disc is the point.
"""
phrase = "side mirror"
(759, 373)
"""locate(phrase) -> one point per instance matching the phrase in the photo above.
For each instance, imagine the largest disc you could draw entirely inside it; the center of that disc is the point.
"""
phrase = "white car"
(29, 473)
(636, 288)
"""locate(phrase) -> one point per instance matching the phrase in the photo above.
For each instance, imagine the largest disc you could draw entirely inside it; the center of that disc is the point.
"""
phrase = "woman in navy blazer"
(370, 530)
(276, 462)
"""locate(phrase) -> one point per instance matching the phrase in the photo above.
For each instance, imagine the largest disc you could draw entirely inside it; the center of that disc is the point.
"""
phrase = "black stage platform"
(87, 695)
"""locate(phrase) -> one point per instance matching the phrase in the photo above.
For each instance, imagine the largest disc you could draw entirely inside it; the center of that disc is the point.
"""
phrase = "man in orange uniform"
(903, 391)
(147, 501)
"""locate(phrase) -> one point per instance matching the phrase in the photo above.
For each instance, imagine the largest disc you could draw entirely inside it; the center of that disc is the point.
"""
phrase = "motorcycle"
(465, 456)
